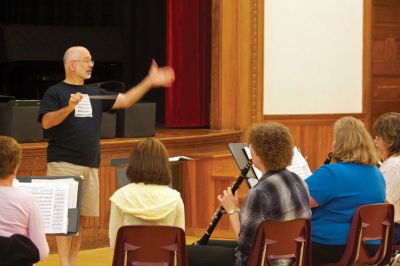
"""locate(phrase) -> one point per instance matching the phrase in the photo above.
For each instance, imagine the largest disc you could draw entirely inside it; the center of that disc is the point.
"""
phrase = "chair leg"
(301, 254)
(263, 255)
(176, 258)
(396, 260)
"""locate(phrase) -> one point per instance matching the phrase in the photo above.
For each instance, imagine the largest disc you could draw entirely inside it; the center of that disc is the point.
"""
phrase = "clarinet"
(218, 213)
(328, 158)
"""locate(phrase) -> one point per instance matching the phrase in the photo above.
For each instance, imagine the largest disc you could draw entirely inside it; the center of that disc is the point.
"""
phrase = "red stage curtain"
(188, 52)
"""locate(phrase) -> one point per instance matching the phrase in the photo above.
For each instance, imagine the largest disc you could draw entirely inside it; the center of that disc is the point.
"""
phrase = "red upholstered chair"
(370, 222)
(145, 245)
(282, 240)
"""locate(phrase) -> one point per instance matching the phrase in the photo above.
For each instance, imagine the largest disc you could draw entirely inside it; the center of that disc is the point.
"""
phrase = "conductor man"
(73, 122)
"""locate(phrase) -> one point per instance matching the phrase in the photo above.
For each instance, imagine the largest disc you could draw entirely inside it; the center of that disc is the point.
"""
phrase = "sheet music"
(84, 107)
(53, 203)
(298, 166)
(179, 158)
(73, 189)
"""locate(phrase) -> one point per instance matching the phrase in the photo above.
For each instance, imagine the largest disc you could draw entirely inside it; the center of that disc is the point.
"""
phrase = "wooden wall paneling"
(216, 43)
(244, 34)
(250, 63)
(224, 63)
(385, 58)
(367, 59)
(224, 173)
(323, 144)
(213, 174)
(229, 65)
(237, 60)
(196, 174)
(256, 42)
(190, 175)
(220, 184)
(386, 12)
(205, 192)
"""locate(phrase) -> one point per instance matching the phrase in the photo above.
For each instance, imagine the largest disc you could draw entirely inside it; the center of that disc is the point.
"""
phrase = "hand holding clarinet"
(218, 213)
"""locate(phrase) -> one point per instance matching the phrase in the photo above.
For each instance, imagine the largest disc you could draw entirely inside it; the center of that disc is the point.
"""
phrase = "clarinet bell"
(328, 158)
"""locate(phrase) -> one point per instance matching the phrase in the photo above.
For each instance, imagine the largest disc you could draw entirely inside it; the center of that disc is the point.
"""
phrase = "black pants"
(216, 253)
(396, 234)
(322, 254)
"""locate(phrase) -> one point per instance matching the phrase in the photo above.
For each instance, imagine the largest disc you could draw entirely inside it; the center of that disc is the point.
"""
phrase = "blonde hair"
(387, 126)
(353, 143)
(273, 144)
(10, 156)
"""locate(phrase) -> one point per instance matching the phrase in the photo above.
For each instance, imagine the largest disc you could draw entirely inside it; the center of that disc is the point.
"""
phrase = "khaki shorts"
(90, 185)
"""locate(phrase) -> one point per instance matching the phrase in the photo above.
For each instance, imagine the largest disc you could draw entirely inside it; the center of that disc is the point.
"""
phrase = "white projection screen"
(313, 56)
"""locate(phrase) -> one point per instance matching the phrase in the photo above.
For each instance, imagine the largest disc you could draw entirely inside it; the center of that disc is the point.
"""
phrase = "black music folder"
(239, 154)
(59, 199)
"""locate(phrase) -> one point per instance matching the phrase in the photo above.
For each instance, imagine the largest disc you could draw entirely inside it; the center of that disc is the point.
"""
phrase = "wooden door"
(385, 57)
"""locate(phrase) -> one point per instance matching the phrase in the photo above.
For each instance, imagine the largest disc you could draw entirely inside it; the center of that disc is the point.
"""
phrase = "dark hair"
(387, 126)
(273, 144)
(148, 163)
(10, 156)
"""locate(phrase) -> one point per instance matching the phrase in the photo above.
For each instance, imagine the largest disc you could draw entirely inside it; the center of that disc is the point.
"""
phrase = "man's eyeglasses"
(86, 61)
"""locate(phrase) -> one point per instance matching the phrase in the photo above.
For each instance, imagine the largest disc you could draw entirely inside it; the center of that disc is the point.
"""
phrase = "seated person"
(386, 130)
(20, 213)
(337, 189)
(279, 195)
(147, 199)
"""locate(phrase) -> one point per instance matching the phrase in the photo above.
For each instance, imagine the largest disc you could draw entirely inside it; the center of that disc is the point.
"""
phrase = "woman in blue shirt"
(337, 189)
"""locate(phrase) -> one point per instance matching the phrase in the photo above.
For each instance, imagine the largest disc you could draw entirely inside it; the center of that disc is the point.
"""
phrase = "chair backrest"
(278, 240)
(144, 245)
(370, 222)
(120, 164)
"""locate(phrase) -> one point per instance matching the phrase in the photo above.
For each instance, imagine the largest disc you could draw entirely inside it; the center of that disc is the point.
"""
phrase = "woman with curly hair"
(386, 130)
(337, 189)
(278, 195)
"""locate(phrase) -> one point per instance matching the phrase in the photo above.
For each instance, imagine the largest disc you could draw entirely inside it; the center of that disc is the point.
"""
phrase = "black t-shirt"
(77, 139)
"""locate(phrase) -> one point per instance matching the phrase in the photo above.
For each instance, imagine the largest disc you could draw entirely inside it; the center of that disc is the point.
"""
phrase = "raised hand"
(161, 76)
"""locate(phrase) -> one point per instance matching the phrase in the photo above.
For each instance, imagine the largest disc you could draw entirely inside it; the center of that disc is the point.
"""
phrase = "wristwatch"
(230, 212)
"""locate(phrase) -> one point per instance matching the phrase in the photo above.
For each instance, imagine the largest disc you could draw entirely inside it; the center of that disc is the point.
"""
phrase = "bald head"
(78, 65)
(74, 53)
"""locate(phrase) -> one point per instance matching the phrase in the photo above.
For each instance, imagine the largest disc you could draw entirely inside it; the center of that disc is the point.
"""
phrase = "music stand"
(237, 150)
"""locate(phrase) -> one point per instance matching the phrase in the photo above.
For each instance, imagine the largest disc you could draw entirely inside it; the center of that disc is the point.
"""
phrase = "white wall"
(313, 56)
